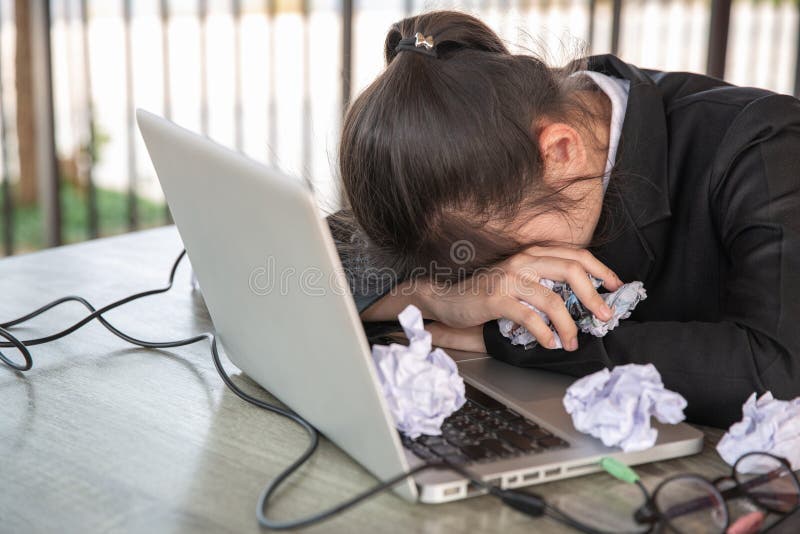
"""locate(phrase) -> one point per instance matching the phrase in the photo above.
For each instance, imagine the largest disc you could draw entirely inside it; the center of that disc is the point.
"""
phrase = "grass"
(112, 207)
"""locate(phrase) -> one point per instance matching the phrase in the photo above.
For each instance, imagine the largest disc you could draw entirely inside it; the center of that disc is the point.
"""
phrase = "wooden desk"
(104, 437)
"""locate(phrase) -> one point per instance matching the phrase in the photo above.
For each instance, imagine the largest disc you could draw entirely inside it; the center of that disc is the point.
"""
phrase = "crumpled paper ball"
(616, 405)
(622, 302)
(422, 387)
(767, 425)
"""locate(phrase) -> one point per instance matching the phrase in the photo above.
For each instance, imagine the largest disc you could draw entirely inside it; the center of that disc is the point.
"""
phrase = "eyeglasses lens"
(768, 481)
(691, 505)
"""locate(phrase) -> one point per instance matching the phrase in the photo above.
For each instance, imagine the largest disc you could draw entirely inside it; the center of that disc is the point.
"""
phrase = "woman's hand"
(496, 292)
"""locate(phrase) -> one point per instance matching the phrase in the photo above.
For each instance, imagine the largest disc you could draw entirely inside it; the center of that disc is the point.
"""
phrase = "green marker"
(618, 470)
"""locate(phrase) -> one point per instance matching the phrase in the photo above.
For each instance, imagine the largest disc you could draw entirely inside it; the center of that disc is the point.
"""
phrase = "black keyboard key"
(519, 441)
(475, 428)
(460, 440)
(457, 459)
(480, 415)
(461, 423)
(496, 447)
(522, 426)
(536, 433)
(444, 449)
(451, 433)
(476, 436)
(552, 442)
(475, 452)
(422, 451)
(509, 415)
(495, 422)
(468, 408)
(430, 440)
(481, 398)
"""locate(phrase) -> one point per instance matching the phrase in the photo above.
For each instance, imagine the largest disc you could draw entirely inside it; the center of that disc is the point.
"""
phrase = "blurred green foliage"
(112, 207)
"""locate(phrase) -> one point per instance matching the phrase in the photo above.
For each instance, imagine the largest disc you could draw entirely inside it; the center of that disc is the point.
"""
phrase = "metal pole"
(308, 175)
(272, 106)
(347, 59)
(718, 37)
(616, 18)
(47, 160)
(72, 72)
(89, 154)
(8, 202)
(592, 13)
(347, 53)
(774, 52)
(202, 10)
(133, 215)
(237, 74)
(166, 78)
(797, 65)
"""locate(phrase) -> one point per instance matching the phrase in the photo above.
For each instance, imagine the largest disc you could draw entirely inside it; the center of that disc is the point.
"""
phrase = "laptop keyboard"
(484, 430)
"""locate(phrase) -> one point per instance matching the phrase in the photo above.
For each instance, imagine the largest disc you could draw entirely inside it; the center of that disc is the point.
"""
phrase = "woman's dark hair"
(438, 149)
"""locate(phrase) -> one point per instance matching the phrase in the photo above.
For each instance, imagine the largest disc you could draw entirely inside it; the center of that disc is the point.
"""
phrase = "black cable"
(527, 503)
(17, 344)
(97, 314)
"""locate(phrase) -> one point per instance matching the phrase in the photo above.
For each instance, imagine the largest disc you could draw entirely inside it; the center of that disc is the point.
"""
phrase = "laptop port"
(581, 467)
(552, 472)
(527, 477)
(453, 490)
(512, 480)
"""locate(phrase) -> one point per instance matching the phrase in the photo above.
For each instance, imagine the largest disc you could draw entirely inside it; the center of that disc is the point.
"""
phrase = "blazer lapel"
(640, 195)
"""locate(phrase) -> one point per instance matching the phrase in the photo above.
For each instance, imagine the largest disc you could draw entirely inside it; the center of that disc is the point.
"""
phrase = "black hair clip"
(418, 43)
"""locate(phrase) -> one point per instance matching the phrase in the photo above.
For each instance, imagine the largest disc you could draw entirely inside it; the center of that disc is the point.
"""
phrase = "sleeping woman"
(471, 173)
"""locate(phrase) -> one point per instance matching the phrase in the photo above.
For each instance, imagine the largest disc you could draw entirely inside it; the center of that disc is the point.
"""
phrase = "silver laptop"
(280, 303)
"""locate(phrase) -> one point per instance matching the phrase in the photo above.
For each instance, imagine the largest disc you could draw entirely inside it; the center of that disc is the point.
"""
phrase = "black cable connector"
(528, 503)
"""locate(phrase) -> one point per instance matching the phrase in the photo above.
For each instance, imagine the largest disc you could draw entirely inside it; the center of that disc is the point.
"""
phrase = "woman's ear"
(563, 151)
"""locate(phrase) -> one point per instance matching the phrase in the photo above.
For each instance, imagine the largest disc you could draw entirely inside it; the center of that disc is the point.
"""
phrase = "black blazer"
(708, 176)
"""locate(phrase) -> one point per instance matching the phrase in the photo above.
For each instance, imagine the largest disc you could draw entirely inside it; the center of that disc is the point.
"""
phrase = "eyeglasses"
(680, 504)
(691, 504)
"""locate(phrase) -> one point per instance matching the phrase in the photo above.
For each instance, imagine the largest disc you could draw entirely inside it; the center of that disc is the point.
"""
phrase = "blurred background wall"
(271, 78)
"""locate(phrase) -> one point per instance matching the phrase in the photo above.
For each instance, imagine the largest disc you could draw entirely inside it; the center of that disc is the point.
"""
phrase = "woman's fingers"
(574, 274)
(587, 260)
(552, 305)
(514, 310)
